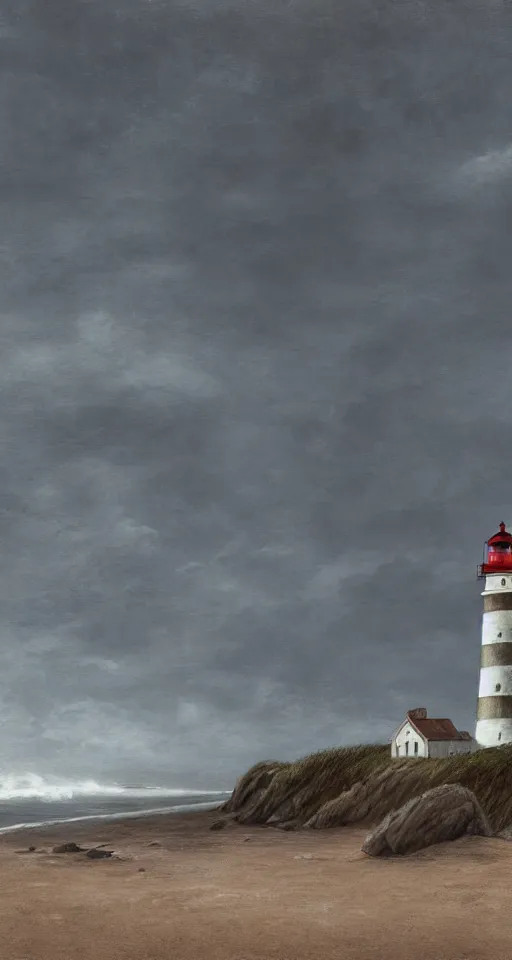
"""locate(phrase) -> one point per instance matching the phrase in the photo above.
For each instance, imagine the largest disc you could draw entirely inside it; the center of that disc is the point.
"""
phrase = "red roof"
(434, 729)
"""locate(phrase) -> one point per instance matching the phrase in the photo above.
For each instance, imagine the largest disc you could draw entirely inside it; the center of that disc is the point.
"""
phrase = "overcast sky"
(256, 331)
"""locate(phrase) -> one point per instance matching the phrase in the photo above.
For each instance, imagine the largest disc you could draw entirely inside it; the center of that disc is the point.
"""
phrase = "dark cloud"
(255, 347)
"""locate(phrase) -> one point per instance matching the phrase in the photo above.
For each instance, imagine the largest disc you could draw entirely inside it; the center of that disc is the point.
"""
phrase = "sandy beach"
(180, 890)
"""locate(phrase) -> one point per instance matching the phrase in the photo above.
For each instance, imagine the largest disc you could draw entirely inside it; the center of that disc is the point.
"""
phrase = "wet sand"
(215, 895)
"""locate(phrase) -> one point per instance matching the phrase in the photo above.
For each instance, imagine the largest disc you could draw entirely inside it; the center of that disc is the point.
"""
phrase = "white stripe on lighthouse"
(496, 583)
(492, 733)
(497, 627)
(495, 682)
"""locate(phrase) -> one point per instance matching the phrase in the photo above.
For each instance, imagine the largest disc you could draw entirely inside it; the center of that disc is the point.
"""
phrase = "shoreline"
(175, 888)
(125, 814)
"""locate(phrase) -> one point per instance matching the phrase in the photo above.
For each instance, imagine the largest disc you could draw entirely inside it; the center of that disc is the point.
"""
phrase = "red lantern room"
(497, 554)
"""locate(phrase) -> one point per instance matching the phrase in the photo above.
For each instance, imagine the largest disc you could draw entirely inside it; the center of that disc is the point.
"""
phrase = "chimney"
(419, 713)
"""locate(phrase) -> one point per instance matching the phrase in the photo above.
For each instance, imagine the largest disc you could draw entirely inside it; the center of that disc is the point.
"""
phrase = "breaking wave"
(31, 786)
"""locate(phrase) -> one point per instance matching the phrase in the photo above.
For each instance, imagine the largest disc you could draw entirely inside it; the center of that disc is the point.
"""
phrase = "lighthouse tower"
(494, 713)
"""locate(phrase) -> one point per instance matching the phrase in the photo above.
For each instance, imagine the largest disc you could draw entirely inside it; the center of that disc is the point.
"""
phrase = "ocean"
(32, 801)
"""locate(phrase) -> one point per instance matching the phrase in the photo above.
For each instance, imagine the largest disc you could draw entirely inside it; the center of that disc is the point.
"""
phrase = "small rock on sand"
(68, 848)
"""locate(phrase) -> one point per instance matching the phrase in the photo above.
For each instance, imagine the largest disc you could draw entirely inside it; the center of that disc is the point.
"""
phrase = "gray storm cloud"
(490, 167)
(254, 374)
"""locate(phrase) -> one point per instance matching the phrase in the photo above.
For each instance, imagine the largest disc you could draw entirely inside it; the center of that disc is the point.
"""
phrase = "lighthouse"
(494, 712)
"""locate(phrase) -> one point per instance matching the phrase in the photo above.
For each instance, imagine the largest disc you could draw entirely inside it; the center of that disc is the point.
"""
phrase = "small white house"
(422, 736)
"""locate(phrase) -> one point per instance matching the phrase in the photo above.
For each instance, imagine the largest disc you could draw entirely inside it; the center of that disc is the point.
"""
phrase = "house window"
(406, 748)
(415, 748)
(498, 687)
(499, 736)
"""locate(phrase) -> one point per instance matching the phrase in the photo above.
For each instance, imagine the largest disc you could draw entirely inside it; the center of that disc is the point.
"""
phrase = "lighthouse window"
(498, 687)
(499, 736)
(503, 582)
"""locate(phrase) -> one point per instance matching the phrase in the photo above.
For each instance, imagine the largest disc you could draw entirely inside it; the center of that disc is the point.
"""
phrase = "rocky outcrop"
(371, 799)
(250, 788)
(443, 813)
(273, 793)
(350, 807)
(506, 833)
(347, 785)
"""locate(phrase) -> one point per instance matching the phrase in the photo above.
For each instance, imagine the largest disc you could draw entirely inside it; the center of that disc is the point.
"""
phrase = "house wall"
(447, 748)
(407, 734)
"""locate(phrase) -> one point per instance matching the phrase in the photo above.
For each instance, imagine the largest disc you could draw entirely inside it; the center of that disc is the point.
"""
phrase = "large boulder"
(444, 813)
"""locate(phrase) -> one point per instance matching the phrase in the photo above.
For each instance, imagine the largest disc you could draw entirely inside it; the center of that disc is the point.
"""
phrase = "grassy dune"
(362, 784)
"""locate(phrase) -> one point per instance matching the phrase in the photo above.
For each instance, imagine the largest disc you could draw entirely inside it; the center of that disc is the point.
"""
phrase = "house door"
(406, 748)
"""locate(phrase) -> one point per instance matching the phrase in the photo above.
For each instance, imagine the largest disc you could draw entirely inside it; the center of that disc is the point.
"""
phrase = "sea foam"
(31, 786)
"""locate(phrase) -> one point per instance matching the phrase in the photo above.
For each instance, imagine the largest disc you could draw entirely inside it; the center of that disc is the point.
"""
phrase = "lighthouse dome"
(497, 553)
(502, 538)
